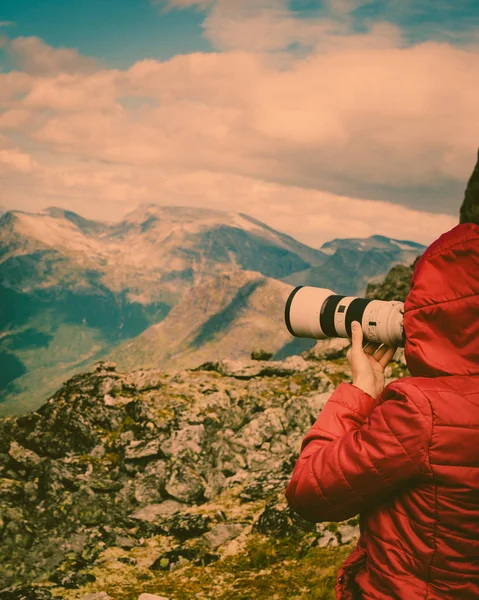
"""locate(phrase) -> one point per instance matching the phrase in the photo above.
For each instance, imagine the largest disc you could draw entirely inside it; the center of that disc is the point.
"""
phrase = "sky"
(321, 118)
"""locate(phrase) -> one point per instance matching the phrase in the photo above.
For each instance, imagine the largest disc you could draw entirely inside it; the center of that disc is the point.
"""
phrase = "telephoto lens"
(320, 313)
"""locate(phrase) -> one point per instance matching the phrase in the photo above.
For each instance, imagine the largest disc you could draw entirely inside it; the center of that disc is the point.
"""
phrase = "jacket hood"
(441, 311)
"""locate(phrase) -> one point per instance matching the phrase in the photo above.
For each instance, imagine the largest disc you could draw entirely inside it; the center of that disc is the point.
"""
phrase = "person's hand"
(368, 364)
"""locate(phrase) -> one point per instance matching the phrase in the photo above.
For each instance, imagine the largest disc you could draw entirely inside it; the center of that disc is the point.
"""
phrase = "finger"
(380, 351)
(387, 356)
(371, 347)
(356, 339)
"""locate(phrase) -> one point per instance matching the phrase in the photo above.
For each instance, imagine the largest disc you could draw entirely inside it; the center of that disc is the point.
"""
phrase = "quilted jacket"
(408, 461)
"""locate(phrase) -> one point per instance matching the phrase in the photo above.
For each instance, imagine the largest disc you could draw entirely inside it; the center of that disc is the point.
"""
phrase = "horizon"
(44, 211)
(312, 116)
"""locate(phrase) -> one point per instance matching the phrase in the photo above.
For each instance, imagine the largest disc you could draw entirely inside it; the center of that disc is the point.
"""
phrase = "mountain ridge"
(73, 289)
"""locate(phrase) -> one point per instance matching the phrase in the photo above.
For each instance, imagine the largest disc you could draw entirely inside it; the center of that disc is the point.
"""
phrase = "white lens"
(383, 322)
(303, 311)
(319, 313)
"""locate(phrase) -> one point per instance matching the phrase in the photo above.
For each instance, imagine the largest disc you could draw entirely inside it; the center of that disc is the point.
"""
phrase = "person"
(405, 457)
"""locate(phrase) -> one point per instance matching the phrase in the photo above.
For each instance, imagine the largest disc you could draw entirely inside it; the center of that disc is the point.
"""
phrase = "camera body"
(320, 313)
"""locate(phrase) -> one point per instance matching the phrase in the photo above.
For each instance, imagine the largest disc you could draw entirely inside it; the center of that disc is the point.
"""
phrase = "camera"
(320, 313)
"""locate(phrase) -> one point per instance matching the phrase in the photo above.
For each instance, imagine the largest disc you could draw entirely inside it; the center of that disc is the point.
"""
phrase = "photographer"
(406, 457)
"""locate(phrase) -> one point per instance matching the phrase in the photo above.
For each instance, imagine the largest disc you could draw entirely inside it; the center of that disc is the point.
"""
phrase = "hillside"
(228, 316)
(352, 263)
(74, 290)
(168, 483)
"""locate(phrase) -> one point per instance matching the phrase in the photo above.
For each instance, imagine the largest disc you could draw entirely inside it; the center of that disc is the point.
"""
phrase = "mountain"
(395, 286)
(75, 290)
(71, 288)
(228, 316)
(352, 263)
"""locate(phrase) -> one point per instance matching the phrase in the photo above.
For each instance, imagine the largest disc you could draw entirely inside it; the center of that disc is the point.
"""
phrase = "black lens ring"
(355, 312)
(287, 318)
(326, 316)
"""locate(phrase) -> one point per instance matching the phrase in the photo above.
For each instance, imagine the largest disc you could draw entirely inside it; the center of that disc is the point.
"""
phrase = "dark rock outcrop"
(192, 463)
(469, 212)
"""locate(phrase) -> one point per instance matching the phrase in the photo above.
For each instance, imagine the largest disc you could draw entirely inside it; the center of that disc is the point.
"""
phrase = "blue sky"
(120, 32)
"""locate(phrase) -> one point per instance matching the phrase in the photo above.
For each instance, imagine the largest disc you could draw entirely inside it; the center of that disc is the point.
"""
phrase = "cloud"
(33, 55)
(76, 92)
(273, 25)
(362, 136)
(7, 23)
(380, 122)
(13, 159)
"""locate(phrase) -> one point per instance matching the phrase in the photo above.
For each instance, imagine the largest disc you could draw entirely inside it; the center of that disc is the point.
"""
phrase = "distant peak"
(381, 238)
(56, 212)
(145, 211)
(85, 225)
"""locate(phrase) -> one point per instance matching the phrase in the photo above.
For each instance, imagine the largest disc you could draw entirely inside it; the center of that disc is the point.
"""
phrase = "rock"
(187, 440)
(262, 429)
(25, 457)
(469, 211)
(139, 449)
(185, 486)
(125, 542)
(129, 475)
(260, 354)
(26, 593)
(328, 349)
(151, 512)
(400, 357)
(151, 597)
(222, 533)
(280, 521)
(263, 487)
(10, 488)
(177, 557)
(149, 482)
(72, 580)
(116, 400)
(255, 368)
(348, 533)
(105, 366)
(144, 380)
(185, 526)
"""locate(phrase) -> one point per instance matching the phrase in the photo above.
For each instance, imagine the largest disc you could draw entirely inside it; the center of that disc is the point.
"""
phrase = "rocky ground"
(169, 484)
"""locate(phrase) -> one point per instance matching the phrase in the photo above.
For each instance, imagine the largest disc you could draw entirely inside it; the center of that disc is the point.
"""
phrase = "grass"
(267, 569)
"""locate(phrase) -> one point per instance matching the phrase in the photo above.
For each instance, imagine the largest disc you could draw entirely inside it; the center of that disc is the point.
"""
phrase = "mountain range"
(165, 286)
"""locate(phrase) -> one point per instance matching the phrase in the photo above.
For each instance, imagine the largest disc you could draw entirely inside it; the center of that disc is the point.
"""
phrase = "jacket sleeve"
(360, 450)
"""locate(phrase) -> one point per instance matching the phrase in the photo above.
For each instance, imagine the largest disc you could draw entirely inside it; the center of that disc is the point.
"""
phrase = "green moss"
(337, 378)
(266, 569)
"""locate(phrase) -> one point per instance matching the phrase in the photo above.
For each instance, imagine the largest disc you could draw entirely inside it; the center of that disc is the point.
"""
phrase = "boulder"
(152, 511)
(222, 533)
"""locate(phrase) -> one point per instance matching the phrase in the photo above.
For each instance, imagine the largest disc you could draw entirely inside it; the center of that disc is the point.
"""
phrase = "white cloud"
(13, 159)
(362, 115)
(33, 55)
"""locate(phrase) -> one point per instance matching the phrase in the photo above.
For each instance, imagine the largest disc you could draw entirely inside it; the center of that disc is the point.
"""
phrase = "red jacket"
(408, 462)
